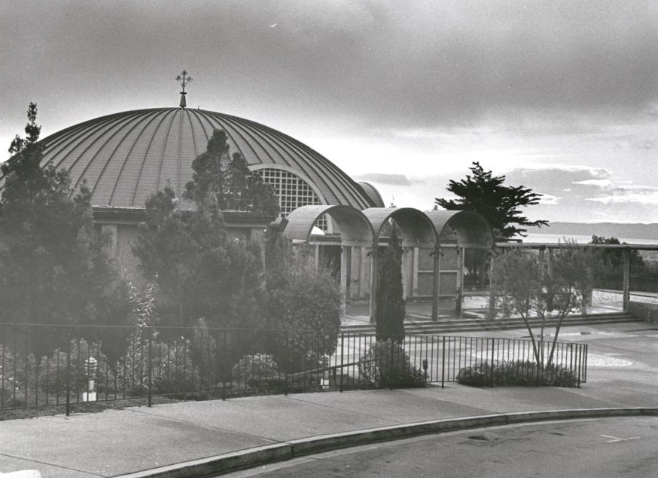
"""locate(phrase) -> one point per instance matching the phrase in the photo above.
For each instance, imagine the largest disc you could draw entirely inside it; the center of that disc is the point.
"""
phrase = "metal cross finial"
(183, 79)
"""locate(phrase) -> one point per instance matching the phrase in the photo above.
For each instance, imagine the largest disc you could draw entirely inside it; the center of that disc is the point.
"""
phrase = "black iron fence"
(43, 366)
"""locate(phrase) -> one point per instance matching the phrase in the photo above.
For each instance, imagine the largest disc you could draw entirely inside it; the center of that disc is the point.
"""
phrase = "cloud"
(646, 144)
(381, 178)
(558, 180)
(445, 63)
(549, 200)
(597, 183)
(629, 198)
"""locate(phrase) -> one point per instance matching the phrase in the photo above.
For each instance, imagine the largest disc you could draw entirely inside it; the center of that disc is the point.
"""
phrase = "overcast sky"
(561, 96)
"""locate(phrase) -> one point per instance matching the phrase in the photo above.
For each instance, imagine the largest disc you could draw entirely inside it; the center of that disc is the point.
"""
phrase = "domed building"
(125, 157)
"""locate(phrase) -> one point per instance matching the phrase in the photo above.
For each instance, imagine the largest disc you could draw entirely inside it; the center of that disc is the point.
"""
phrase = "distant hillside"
(605, 229)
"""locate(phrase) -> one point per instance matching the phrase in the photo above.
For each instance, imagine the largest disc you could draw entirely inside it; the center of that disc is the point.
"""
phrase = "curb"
(284, 451)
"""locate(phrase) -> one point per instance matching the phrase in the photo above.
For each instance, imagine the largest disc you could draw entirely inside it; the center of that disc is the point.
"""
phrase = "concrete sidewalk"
(120, 442)
(115, 443)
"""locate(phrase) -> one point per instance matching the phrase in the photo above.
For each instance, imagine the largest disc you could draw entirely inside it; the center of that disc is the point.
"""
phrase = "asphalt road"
(605, 448)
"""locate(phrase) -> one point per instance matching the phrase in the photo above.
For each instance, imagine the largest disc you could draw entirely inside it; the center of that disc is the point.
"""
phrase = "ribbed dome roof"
(127, 156)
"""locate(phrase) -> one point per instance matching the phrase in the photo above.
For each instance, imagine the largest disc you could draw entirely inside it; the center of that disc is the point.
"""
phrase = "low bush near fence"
(516, 373)
(252, 370)
(387, 364)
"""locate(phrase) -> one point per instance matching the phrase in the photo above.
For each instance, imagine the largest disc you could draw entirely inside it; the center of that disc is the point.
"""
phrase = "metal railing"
(43, 366)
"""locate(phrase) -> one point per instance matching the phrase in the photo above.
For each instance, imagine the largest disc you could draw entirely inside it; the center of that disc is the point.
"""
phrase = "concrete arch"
(354, 227)
(417, 231)
(465, 228)
(355, 230)
(416, 228)
(456, 232)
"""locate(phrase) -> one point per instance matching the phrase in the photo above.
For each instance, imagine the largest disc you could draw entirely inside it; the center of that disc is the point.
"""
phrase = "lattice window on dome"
(292, 191)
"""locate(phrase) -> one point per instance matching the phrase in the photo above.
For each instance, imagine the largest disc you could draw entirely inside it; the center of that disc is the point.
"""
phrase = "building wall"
(123, 238)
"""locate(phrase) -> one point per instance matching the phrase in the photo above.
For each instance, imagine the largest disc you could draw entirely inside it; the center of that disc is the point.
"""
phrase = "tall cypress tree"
(389, 298)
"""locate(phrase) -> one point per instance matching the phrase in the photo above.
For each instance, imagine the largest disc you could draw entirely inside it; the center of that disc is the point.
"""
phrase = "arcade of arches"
(434, 246)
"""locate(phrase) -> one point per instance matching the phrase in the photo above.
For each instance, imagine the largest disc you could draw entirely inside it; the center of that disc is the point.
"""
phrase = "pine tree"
(389, 295)
(499, 204)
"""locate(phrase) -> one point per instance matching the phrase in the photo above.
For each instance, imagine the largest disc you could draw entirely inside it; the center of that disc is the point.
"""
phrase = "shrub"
(15, 371)
(386, 364)
(255, 368)
(516, 373)
(52, 370)
(304, 305)
(172, 370)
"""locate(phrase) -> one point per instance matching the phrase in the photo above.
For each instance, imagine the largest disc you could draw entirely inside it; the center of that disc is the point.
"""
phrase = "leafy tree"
(476, 262)
(614, 258)
(610, 273)
(499, 204)
(548, 286)
(390, 309)
(54, 266)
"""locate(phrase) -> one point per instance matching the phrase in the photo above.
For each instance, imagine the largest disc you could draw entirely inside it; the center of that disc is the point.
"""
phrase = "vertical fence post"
(492, 292)
(287, 360)
(390, 363)
(3, 344)
(443, 362)
(26, 362)
(15, 364)
(223, 366)
(342, 348)
(68, 376)
(493, 343)
(627, 279)
(585, 364)
(150, 356)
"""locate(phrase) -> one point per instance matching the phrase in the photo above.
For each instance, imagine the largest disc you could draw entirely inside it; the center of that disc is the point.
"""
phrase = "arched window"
(292, 191)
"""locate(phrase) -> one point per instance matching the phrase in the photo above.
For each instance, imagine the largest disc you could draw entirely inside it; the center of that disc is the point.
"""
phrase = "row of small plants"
(517, 373)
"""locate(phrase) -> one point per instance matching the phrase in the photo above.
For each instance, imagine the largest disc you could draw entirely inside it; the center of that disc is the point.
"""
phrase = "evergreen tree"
(53, 261)
(499, 204)
(390, 310)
